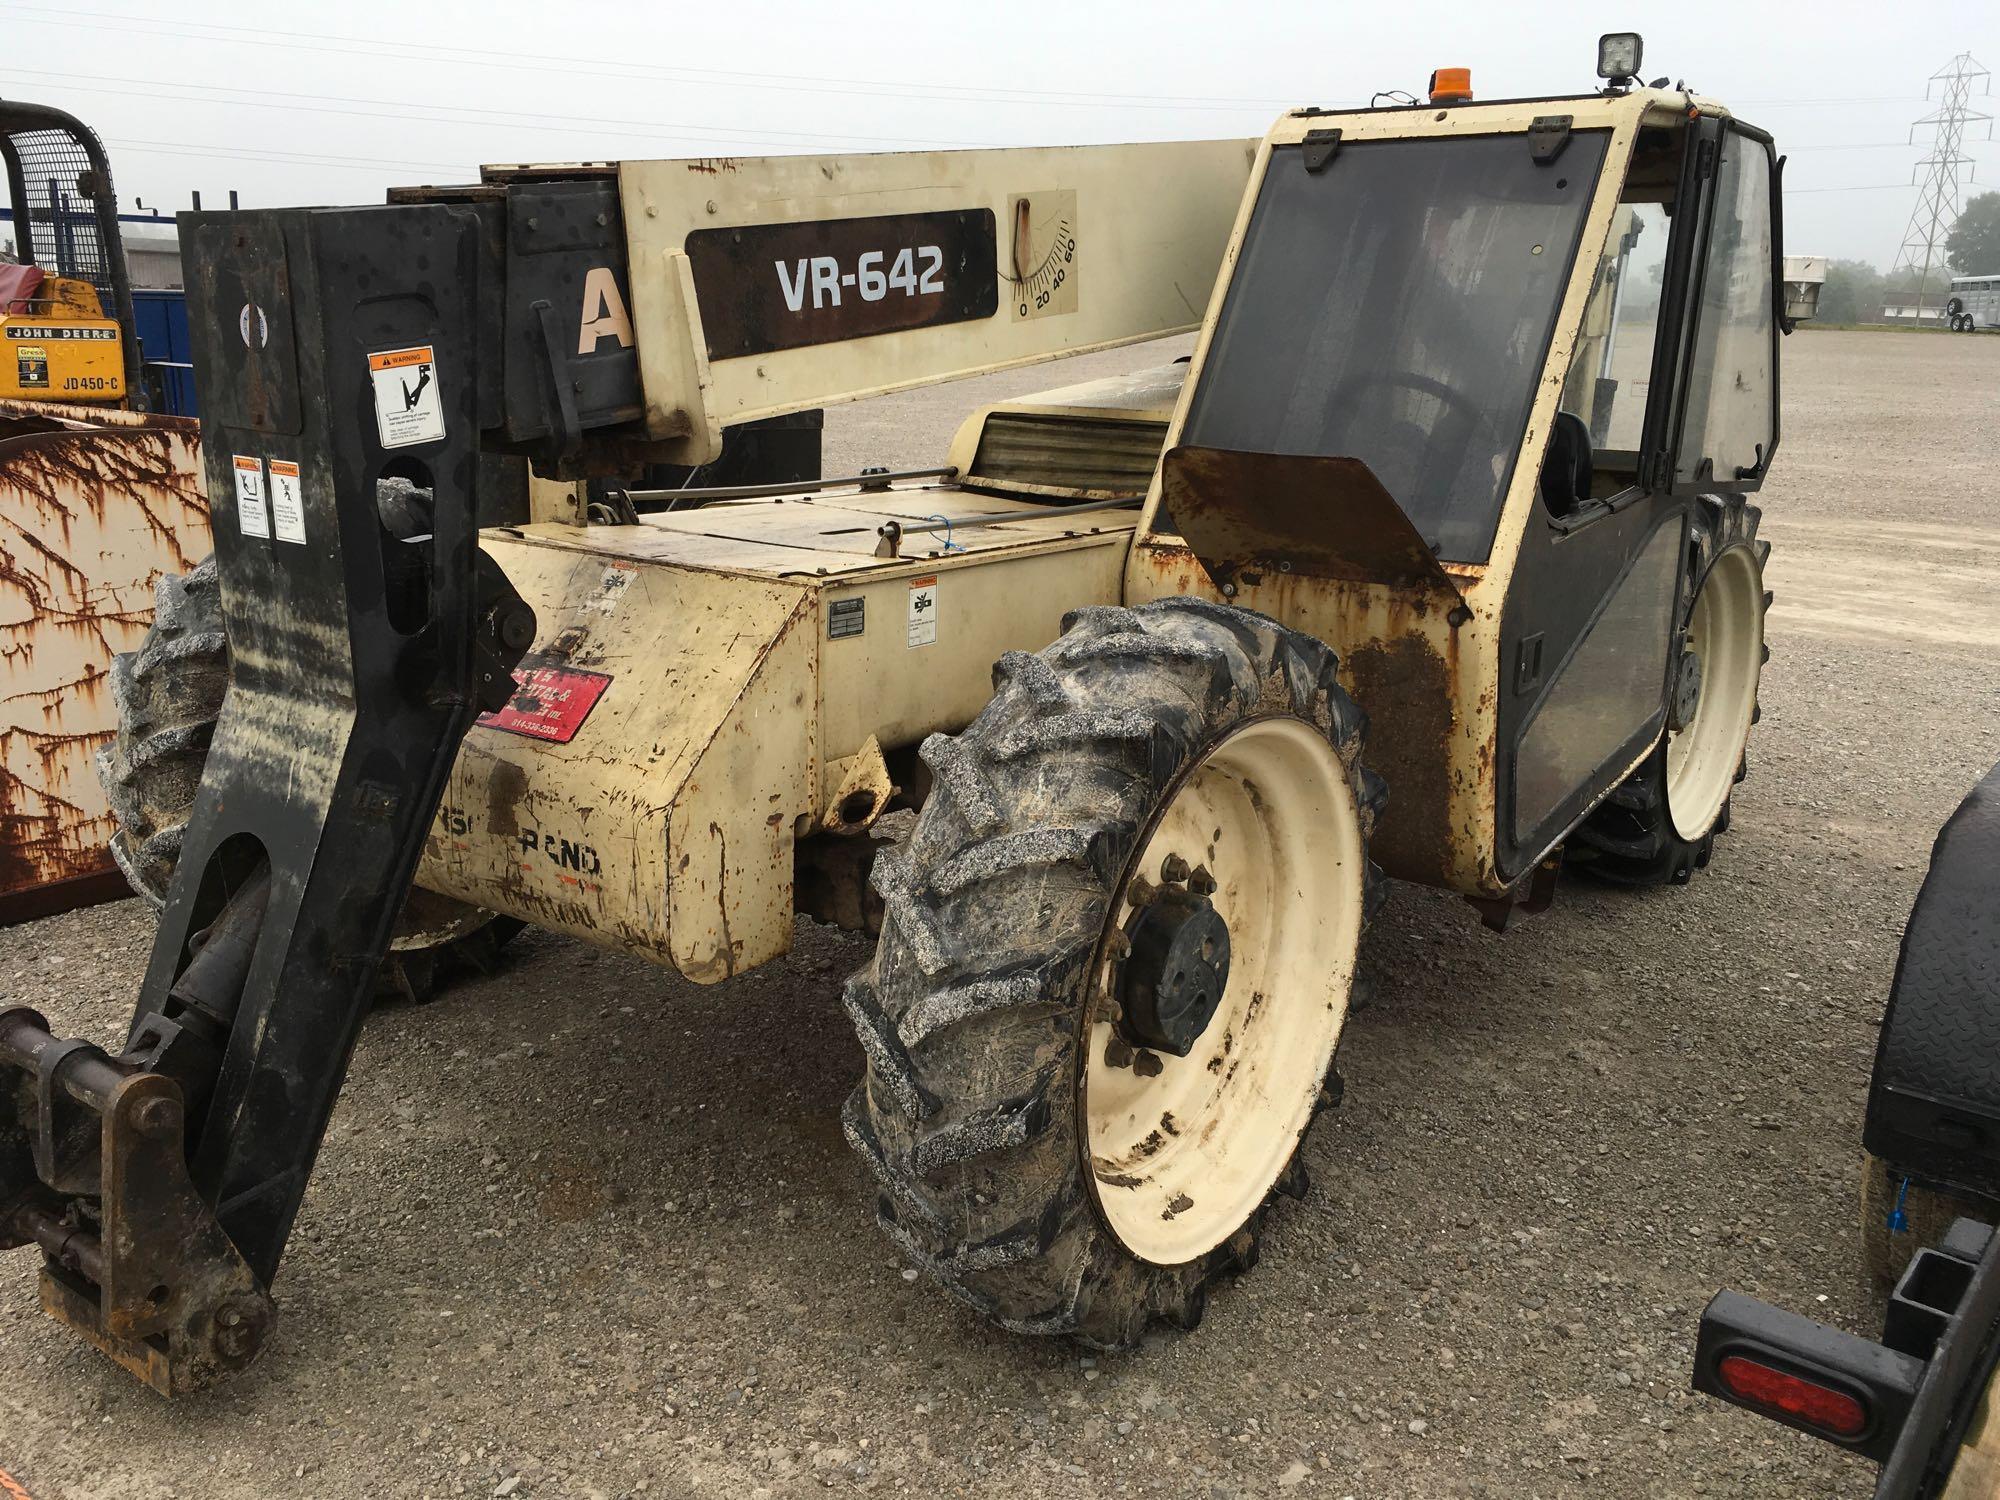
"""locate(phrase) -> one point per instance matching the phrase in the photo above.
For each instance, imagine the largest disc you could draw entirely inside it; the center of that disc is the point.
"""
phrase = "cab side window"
(1730, 416)
(1611, 372)
(1595, 447)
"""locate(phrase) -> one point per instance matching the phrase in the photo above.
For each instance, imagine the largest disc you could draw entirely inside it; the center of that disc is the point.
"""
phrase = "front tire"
(1659, 827)
(1032, 1160)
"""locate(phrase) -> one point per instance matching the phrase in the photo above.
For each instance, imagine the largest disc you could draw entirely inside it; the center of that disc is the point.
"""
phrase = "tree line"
(1855, 290)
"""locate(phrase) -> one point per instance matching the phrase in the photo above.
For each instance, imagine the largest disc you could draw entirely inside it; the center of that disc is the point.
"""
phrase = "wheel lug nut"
(1201, 882)
(1173, 869)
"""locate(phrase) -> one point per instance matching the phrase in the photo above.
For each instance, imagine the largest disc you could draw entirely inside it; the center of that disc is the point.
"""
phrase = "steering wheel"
(1472, 418)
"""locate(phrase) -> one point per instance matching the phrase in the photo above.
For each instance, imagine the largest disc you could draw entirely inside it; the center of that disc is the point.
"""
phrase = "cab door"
(1671, 395)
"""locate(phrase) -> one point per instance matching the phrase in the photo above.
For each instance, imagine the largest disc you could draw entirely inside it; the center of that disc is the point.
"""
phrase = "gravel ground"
(586, 1230)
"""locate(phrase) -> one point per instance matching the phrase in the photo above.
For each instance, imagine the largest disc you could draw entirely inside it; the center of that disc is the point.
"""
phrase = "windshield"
(1396, 307)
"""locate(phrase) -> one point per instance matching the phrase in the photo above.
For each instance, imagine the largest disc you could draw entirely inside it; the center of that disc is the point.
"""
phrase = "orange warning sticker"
(288, 509)
(408, 406)
(251, 515)
(400, 359)
(923, 615)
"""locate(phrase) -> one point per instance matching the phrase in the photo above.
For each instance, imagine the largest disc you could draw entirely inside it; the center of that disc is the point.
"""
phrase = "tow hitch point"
(93, 1171)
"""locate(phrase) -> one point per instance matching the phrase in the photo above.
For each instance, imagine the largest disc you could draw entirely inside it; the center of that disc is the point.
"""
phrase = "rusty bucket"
(95, 504)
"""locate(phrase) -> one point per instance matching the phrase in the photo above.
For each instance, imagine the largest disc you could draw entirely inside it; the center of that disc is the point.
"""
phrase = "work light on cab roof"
(1618, 56)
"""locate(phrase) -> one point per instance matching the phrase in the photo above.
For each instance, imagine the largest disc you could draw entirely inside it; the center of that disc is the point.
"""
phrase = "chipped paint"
(654, 829)
(1418, 658)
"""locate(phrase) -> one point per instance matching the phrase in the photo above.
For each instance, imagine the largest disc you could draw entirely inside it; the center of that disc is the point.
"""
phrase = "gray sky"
(298, 104)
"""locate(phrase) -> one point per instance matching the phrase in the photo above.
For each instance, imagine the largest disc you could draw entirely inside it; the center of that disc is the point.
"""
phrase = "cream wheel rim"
(1182, 1150)
(1726, 633)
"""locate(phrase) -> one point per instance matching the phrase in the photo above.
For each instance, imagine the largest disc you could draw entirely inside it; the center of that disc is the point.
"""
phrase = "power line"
(455, 114)
(482, 57)
(292, 158)
(1938, 199)
(780, 82)
(1902, 145)
(1804, 103)
(1856, 187)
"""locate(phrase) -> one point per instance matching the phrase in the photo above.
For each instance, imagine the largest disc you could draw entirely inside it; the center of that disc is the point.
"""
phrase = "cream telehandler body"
(1433, 561)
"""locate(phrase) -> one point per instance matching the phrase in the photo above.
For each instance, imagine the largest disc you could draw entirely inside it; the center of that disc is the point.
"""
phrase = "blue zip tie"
(1899, 1222)
(945, 522)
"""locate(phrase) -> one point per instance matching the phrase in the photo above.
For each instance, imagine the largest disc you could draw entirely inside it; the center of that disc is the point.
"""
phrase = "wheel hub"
(1687, 691)
(1183, 1147)
(1173, 978)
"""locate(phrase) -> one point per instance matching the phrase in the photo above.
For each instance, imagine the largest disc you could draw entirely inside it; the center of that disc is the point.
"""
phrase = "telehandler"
(1434, 560)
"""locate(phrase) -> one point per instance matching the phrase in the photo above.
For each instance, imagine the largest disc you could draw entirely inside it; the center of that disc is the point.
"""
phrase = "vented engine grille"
(1086, 456)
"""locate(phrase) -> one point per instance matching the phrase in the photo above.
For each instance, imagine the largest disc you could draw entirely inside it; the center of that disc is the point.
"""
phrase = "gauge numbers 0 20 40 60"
(1043, 263)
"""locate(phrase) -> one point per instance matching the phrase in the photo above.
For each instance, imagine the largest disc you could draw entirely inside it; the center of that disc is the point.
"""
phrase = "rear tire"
(1660, 825)
(1004, 1120)
(168, 695)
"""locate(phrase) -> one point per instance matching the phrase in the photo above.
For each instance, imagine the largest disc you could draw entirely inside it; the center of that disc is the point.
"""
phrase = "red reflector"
(1825, 1407)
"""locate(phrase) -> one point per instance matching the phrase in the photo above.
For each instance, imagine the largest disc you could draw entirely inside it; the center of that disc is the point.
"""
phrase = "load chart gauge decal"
(1043, 261)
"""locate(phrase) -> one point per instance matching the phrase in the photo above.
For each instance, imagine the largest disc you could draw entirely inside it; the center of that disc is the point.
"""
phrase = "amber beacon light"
(1451, 86)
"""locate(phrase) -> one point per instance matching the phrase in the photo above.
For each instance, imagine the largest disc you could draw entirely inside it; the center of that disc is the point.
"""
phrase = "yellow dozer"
(1436, 560)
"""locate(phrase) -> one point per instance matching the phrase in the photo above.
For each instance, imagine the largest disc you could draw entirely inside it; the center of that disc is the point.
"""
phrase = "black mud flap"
(1934, 1098)
(337, 349)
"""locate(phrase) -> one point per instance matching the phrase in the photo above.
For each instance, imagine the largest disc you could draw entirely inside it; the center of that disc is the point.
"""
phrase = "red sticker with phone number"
(550, 701)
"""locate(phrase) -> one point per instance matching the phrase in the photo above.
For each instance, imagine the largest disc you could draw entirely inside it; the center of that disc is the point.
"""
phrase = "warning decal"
(288, 509)
(407, 408)
(550, 701)
(923, 610)
(251, 517)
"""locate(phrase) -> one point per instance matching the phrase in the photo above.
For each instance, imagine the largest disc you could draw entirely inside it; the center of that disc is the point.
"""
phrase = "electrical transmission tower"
(1938, 201)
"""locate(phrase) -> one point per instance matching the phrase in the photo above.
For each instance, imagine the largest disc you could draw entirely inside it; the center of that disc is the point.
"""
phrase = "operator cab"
(1390, 304)
(65, 301)
(1476, 368)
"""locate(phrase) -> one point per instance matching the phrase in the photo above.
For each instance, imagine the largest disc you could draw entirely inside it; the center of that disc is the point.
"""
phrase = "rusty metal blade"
(1325, 517)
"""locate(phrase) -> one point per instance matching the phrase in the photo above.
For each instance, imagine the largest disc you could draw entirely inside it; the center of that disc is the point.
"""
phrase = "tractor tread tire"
(970, 1015)
(1629, 839)
(168, 696)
